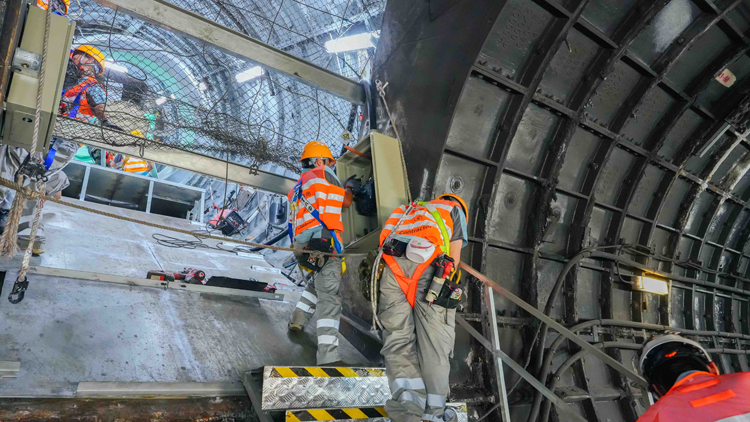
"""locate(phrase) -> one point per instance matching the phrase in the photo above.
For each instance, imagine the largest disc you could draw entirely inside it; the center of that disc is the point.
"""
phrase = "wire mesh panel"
(177, 92)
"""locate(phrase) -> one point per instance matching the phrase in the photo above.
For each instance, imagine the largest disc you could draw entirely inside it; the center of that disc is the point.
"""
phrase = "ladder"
(300, 394)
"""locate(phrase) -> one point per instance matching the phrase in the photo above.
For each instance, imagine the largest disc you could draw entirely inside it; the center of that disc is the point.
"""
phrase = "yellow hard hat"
(458, 199)
(137, 133)
(93, 52)
(316, 149)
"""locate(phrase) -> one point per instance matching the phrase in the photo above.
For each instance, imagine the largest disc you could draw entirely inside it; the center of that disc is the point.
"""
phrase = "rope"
(30, 194)
(8, 242)
(381, 91)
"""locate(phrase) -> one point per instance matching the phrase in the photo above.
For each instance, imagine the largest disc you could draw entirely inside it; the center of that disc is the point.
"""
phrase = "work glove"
(353, 183)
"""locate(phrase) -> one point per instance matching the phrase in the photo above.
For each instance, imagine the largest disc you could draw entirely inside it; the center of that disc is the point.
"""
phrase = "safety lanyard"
(74, 110)
(446, 246)
(309, 207)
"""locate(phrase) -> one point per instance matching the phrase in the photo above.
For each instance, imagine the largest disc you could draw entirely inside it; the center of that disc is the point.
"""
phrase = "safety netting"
(178, 92)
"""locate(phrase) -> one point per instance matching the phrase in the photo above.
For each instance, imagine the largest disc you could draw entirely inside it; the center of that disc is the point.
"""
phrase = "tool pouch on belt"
(450, 295)
(365, 273)
(308, 261)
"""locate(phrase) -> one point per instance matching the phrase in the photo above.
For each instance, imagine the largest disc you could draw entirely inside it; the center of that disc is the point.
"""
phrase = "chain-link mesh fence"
(180, 93)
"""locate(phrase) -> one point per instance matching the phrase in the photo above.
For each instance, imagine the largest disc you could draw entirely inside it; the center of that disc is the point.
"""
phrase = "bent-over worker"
(418, 316)
(682, 375)
(315, 224)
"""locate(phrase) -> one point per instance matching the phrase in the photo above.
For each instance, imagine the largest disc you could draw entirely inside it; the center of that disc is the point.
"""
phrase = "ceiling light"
(114, 66)
(202, 86)
(719, 133)
(354, 42)
(161, 100)
(249, 74)
(652, 285)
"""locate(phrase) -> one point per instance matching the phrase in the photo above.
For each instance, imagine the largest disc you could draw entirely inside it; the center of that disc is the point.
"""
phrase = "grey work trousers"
(417, 346)
(10, 161)
(322, 296)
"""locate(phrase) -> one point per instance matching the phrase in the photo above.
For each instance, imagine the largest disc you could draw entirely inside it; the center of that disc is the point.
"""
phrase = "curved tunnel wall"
(574, 124)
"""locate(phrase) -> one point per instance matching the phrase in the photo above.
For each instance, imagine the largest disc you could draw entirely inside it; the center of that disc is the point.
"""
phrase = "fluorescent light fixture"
(722, 130)
(249, 74)
(351, 43)
(651, 285)
(161, 100)
(202, 86)
(114, 66)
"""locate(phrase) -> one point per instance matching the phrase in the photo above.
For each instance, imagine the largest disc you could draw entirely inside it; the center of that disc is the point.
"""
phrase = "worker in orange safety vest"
(84, 97)
(419, 292)
(315, 223)
(680, 372)
(60, 7)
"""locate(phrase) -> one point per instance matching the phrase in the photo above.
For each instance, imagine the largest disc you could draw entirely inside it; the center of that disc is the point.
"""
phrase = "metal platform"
(115, 328)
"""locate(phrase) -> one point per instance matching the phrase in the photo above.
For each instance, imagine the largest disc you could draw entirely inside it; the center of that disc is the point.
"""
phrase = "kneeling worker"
(315, 224)
(419, 292)
(681, 374)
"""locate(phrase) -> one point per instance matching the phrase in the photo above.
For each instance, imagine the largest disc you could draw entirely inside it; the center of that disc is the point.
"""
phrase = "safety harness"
(314, 212)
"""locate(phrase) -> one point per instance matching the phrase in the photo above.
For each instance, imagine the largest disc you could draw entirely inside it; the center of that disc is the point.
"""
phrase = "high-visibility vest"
(328, 199)
(704, 397)
(418, 223)
(135, 165)
(76, 97)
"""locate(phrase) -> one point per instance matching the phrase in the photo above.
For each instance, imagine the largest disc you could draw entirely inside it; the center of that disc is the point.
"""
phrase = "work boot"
(342, 364)
(295, 327)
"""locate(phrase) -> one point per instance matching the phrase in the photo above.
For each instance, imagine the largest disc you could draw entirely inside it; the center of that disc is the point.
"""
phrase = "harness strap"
(446, 246)
(76, 102)
(311, 209)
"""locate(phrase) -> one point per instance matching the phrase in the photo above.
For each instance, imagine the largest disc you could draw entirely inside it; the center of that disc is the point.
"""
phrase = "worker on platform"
(315, 224)
(419, 291)
(130, 164)
(84, 97)
(687, 383)
(59, 7)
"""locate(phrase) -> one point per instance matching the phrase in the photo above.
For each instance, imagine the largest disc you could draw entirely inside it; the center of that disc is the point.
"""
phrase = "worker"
(84, 97)
(418, 314)
(59, 7)
(687, 383)
(130, 164)
(320, 191)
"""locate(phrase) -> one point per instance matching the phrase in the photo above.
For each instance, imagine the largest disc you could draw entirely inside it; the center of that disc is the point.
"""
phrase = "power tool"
(445, 268)
(188, 275)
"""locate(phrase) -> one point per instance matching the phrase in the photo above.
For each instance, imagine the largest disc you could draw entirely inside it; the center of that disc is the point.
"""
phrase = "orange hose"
(355, 151)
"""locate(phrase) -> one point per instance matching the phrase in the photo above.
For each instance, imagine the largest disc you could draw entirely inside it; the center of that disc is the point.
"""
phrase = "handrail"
(585, 345)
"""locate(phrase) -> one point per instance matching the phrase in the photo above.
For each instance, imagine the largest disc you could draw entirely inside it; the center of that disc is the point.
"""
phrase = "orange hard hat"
(93, 52)
(458, 199)
(315, 149)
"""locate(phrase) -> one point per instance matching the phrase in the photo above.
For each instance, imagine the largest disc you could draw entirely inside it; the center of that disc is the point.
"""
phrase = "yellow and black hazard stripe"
(315, 371)
(335, 414)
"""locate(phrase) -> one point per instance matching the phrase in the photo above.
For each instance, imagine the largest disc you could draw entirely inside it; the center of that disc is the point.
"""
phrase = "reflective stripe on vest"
(77, 98)
(704, 397)
(420, 222)
(135, 165)
(326, 198)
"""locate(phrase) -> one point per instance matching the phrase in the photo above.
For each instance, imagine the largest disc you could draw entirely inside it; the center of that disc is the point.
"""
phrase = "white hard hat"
(660, 340)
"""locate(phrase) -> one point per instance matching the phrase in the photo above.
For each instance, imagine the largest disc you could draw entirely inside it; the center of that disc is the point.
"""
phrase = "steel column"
(178, 20)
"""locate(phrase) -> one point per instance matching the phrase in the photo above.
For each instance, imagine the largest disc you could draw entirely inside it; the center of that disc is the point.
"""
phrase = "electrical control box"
(18, 120)
(383, 162)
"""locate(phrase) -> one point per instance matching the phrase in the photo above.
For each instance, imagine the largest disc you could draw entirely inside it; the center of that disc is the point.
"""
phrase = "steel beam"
(180, 21)
(559, 403)
(159, 389)
(619, 367)
(186, 160)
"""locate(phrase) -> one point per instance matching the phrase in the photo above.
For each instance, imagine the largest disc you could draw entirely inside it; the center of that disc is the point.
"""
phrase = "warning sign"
(726, 78)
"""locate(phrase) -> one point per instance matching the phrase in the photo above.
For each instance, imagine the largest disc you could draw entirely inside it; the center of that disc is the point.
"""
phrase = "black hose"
(273, 240)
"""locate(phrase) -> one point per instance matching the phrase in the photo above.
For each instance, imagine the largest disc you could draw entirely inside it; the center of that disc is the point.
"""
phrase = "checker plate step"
(370, 414)
(297, 387)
